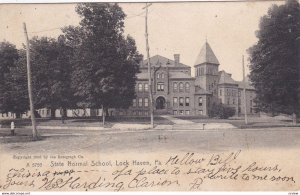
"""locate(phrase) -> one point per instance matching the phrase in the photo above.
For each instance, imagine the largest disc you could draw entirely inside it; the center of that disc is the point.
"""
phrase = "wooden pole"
(34, 130)
(244, 93)
(149, 68)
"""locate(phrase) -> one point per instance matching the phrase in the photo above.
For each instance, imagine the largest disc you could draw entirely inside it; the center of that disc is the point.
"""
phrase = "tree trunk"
(103, 116)
(106, 112)
(18, 115)
(52, 110)
(294, 116)
(63, 112)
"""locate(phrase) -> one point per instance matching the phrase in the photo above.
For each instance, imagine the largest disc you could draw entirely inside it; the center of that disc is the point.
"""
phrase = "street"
(110, 141)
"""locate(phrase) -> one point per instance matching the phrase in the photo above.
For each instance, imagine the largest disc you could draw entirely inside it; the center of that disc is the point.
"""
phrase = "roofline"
(206, 63)
(192, 78)
(228, 84)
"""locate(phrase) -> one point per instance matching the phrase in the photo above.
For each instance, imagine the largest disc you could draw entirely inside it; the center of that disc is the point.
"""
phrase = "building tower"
(206, 70)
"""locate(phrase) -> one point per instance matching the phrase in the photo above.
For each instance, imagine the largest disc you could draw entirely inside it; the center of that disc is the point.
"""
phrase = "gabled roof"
(201, 91)
(225, 78)
(180, 75)
(206, 55)
(158, 60)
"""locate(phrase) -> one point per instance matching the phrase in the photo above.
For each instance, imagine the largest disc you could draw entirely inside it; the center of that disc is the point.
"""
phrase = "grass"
(88, 121)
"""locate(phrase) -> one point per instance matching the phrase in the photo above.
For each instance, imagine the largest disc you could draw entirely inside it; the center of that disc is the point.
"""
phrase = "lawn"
(83, 122)
(253, 121)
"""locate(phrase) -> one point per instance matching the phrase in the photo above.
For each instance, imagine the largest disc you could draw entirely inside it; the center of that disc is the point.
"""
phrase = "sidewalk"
(177, 120)
(186, 124)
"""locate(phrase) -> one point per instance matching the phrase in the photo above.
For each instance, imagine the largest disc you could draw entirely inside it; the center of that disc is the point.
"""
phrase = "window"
(48, 111)
(134, 113)
(181, 112)
(158, 75)
(175, 87)
(140, 87)
(239, 94)
(228, 100)
(202, 71)
(180, 87)
(175, 112)
(162, 75)
(146, 87)
(187, 87)
(134, 103)
(160, 86)
(146, 102)
(233, 101)
(175, 101)
(200, 101)
(187, 112)
(228, 92)
(251, 102)
(140, 113)
(181, 101)
(200, 112)
(146, 113)
(187, 101)
(140, 102)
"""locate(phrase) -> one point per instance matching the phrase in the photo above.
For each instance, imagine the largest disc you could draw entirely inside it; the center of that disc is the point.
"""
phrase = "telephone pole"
(34, 130)
(149, 68)
(244, 92)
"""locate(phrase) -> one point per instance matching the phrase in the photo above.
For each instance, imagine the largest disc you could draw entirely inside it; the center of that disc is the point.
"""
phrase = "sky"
(174, 28)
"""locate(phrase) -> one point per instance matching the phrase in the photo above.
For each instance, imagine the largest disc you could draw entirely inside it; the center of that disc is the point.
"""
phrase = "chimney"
(177, 59)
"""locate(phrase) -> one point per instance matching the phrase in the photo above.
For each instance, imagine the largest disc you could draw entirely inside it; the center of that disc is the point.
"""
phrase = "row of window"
(143, 87)
(7, 114)
(185, 101)
(160, 75)
(181, 112)
(140, 113)
(185, 112)
(181, 87)
(160, 86)
(141, 102)
(44, 112)
(209, 71)
(230, 92)
(181, 101)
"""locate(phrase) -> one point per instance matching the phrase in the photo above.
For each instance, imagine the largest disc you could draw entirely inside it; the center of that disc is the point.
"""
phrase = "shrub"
(221, 111)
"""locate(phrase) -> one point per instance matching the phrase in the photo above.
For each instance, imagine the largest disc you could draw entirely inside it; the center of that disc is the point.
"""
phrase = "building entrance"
(160, 103)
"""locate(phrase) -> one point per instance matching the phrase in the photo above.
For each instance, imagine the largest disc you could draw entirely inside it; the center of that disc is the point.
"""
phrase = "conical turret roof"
(206, 55)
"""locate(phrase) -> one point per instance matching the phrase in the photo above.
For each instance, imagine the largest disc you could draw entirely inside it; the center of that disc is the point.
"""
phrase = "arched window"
(158, 75)
(175, 87)
(140, 87)
(162, 75)
(180, 87)
(187, 87)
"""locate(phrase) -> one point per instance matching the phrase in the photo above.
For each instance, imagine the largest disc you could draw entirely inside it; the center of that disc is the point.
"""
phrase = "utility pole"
(149, 68)
(34, 130)
(244, 92)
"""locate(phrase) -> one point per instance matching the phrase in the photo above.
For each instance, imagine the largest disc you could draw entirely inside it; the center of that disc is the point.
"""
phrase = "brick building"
(176, 92)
